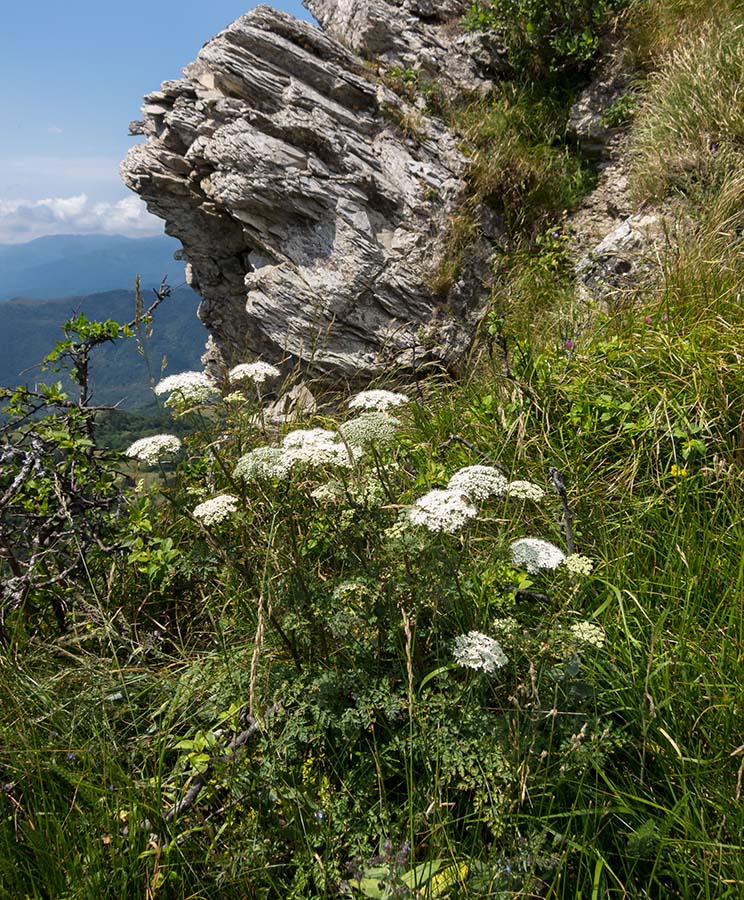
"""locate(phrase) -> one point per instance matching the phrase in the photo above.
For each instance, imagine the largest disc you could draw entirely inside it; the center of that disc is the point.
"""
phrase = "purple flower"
(569, 345)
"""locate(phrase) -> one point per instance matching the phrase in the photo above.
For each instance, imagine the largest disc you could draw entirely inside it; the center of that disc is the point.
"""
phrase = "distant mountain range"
(64, 265)
(44, 282)
(120, 373)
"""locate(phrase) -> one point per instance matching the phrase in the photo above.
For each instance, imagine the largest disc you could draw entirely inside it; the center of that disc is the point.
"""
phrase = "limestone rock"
(312, 204)
(591, 121)
(620, 258)
(415, 34)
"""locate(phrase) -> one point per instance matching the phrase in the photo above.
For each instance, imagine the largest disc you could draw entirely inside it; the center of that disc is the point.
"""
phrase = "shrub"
(543, 37)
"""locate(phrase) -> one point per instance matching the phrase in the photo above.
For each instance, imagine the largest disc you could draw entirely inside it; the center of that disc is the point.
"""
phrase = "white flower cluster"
(257, 372)
(506, 627)
(187, 388)
(369, 428)
(444, 511)
(316, 447)
(525, 490)
(262, 464)
(476, 650)
(150, 449)
(534, 554)
(217, 509)
(303, 448)
(379, 400)
(588, 633)
(354, 589)
(478, 482)
(578, 564)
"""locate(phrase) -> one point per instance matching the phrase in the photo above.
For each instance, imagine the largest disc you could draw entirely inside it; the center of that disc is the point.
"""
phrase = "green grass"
(574, 771)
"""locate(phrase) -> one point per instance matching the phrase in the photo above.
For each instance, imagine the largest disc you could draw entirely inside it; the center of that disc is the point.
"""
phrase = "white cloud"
(24, 220)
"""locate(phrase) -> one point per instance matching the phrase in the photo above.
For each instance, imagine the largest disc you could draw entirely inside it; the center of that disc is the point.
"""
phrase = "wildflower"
(678, 471)
(150, 449)
(506, 627)
(257, 372)
(569, 345)
(369, 428)
(261, 464)
(588, 633)
(478, 482)
(442, 511)
(217, 509)
(186, 388)
(525, 490)
(379, 400)
(476, 650)
(535, 554)
(316, 447)
(578, 564)
(353, 589)
(329, 492)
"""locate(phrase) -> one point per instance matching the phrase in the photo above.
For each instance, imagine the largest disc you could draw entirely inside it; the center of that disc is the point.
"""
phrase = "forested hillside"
(468, 631)
(121, 372)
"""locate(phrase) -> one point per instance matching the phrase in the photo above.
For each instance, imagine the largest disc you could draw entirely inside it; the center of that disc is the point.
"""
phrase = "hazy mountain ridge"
(120, 372)
(66, 265)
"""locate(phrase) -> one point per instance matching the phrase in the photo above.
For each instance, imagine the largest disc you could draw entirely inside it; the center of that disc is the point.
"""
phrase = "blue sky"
(73, 77)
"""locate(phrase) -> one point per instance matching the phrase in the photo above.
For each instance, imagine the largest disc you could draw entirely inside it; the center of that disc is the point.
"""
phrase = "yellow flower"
(678, 471)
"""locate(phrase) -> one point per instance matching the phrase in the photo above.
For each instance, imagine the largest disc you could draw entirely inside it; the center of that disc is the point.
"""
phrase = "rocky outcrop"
(616, 264)
(420, 35)
(615, 244)
(312, 203)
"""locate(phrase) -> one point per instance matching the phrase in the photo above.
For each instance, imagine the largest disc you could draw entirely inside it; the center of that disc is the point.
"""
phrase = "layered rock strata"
(419, 35)
(313, 205)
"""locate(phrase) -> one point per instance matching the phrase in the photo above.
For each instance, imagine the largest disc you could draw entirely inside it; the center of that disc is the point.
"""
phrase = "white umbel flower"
(588, 633)
(369, 428)
(478, 482)
(151, 449)
(257, 372)
(316, 447)
(444, 511)
(262, 464)
(215, 510)
(525, 490)
(578, 564)
(379, 400)
(476, 650)
(187, 388)
(534, 554)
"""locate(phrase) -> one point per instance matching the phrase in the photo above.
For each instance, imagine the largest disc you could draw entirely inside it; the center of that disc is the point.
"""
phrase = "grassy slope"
(606, 774)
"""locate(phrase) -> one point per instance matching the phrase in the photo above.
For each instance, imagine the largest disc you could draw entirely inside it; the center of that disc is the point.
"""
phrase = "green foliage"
(521, 166)
(690, 125)
(268, 704)
(543, 37)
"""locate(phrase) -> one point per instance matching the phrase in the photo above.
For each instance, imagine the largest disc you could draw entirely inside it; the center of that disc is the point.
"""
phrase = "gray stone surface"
(620, 258)
(311, 202)
(590, 121)
(415, 34)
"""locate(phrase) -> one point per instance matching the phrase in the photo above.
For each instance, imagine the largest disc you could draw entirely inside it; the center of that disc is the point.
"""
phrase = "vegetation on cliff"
(474, 638)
